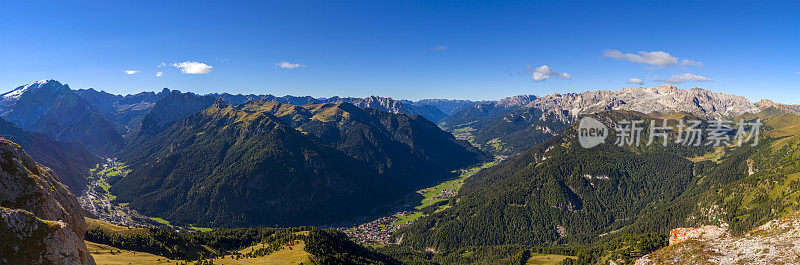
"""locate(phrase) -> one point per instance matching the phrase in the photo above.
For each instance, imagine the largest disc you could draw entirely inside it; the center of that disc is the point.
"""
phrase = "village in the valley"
(381, 230)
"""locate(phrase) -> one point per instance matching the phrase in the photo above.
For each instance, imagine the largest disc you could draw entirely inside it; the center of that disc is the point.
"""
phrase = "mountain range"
(265, 163)
(99, 119)
(514, 124)
(223, 160)
(54, 109)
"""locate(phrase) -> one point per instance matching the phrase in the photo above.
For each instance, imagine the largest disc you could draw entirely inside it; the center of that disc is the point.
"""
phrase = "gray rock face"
(661, 99)
(516, 101)
(520, 122)
(40, 220)
(30, 240)
(790, 108)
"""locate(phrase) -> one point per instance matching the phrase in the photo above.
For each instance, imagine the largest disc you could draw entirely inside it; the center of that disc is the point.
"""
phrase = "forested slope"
(560, 194)
(226, 167)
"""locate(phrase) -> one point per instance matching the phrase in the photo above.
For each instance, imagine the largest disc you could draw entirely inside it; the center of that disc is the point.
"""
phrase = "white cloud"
(193, 67)
(797, 73)
(687, 77)
(162, 65)
(637, 81)
(687, 62)
(440, 48)
(159, 74)
(544, 72)
(130, 72)
(288, 65)
(656, 59)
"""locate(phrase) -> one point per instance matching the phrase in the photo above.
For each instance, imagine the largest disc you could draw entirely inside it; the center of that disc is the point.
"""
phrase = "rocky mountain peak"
(220, 104)
(765, 103)
(516, 101)
(790, 108)
(17, 92)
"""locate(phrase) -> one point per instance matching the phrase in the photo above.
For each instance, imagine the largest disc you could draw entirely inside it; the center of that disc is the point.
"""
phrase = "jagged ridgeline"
(266, 163)
(515, 124)
(561, 193)
(54, 109)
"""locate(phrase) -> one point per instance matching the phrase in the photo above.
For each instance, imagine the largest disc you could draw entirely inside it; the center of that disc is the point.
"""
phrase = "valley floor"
(380, 230)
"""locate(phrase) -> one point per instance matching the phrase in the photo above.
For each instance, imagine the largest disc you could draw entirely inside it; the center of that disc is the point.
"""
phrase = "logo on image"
(591, 132)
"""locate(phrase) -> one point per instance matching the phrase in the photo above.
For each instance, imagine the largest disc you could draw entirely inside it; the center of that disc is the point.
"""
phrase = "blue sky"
(411, 50)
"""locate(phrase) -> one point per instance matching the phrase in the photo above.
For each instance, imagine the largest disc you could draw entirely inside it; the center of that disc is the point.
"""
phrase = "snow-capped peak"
(16, 93)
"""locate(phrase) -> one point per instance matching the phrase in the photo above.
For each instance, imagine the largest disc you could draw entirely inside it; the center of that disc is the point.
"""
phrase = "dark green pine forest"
(242, 166)
(559, 195)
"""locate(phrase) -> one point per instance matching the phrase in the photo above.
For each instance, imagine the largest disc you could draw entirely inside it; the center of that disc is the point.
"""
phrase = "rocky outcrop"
(30, 240)
(682, 234)
(41, 221)
(772, 243)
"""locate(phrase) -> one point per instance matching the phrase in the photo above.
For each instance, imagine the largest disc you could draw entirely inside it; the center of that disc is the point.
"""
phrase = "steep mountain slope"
(548, 114)
(561, 193)
(52, 108)
(173, 107)
(408, 148)
(40, 220)
(555, 192)
(587, 192)
(245, 166)
(126, 112)
(69, 160)
(226, 167)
